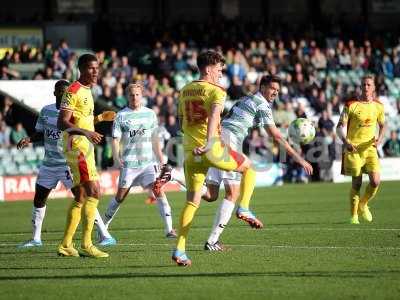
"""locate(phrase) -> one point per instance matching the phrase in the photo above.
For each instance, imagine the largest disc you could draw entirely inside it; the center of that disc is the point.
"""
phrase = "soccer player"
(199, 109)
(54, 167)
(361, 117)
(136, 127)
(248, 112)
(77, 121)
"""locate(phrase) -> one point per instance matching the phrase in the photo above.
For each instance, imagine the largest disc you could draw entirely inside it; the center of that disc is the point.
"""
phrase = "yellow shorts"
(219, 156)
(81, 161)
(359, 162)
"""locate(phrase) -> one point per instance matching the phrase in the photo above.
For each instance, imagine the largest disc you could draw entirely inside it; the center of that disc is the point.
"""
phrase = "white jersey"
(47, 124)
(135, 129)
(248, 112)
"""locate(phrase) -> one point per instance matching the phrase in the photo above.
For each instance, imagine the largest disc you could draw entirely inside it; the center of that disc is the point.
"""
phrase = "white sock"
(165, 212)
(112, 209)
(222, 218)
(102, 229)
(37, 221)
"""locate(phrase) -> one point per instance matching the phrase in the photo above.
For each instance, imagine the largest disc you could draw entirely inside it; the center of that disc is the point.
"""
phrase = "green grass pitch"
(307, 250)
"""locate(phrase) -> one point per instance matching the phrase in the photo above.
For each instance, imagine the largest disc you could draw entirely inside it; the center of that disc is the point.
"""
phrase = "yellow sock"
(88, 216)
(185, 223)
(247, 187)
(73, 219)
(369, 193)
(354, 200)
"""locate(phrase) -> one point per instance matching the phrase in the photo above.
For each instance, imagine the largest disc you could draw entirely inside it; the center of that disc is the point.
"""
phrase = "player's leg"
(213, 182)
(223, 215)
(370, 191)
(92, 191)
(356, 183)
(351, 166)
(227, 159)
(66, 248)
(195, 174)
(372, 167)
(148, 180)
(38, 213)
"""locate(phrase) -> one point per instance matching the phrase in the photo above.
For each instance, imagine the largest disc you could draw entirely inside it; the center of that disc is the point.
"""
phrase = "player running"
(248, 112)
(54, 167)
(77, 121)
(200, 106)
(136, 127)
(361, 117)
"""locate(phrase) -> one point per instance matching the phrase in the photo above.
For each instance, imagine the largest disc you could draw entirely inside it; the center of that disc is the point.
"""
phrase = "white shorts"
(49, 177)
(143, 177)
(216, 176)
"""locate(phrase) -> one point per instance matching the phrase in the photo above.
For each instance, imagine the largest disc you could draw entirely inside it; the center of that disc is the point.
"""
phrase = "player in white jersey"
(54, 167)
(135, 129)
(248, 112)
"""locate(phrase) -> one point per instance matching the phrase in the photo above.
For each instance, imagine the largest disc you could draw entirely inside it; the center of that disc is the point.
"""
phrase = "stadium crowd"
(318, 77)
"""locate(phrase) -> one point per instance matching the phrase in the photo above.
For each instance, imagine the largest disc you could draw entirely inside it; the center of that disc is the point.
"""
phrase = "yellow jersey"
(194, 105)
(78, 99)
(362, 118)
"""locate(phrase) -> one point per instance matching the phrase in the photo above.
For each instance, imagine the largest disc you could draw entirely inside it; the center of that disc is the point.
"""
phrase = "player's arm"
(277, 136)
(105, 116)
(382, 128)
(35, 137)
(64, 123)
(340, 130)
(213, 121)
(116, 152)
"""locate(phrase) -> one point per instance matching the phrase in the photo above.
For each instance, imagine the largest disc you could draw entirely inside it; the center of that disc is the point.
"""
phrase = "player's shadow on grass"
(311, 274)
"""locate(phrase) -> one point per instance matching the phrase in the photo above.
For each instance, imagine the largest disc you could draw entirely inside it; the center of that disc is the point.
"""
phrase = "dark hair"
(209, 58)
(267, 79)
(85, 59)
(61, 83)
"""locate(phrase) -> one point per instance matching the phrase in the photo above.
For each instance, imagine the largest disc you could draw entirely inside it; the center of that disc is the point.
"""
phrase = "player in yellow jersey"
(77, 121)
(361, 118)
(200, 105)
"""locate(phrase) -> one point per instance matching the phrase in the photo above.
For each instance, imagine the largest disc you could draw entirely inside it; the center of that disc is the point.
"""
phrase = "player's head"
(59, 89)
(368, 86)
(269, 87)
(135, 94)
(88, 66)
(210, 64)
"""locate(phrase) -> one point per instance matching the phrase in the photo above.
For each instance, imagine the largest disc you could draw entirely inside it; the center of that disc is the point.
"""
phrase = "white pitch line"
(241, 245)
(207, 229)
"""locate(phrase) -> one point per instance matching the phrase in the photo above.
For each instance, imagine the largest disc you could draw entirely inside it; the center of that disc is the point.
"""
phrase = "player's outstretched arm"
(36, 137)
(277, 136)
(105, 116)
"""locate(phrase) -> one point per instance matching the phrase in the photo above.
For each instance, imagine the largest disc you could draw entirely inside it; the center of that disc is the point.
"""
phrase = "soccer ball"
(301, 131)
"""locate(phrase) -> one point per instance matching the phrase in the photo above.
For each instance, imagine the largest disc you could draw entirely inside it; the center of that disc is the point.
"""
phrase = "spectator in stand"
(236, 68)
(4, 133)
(64, 51)
(107, 95)
(392, 146)
(120, 100)
(17, 133)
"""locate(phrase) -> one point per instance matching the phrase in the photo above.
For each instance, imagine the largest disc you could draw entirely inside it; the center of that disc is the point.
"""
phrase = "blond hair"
(134, 85)
(368, 76)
